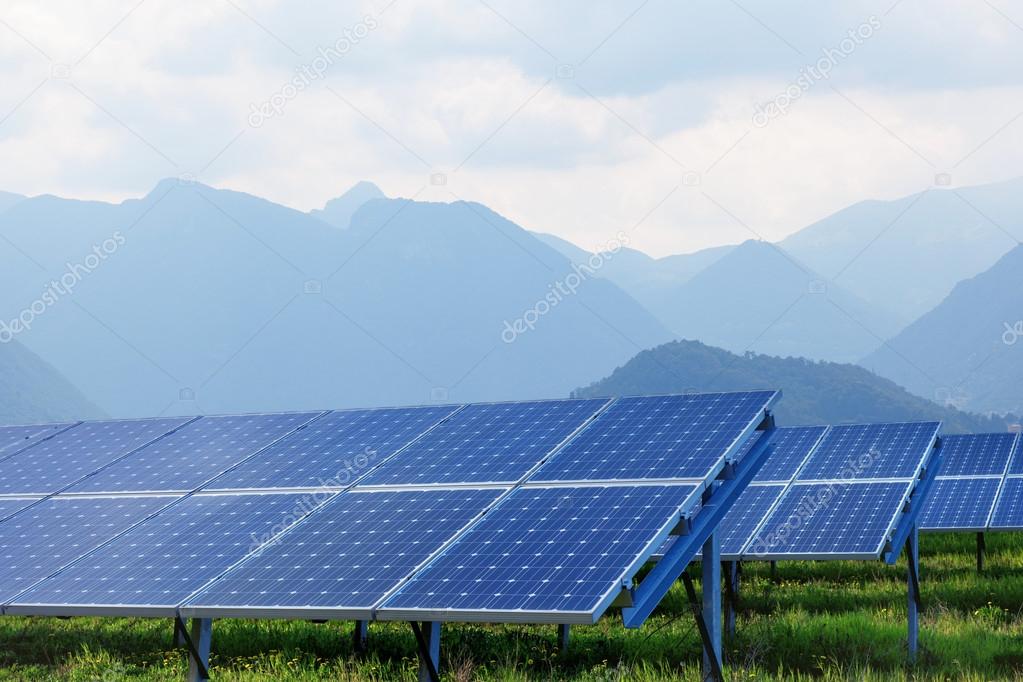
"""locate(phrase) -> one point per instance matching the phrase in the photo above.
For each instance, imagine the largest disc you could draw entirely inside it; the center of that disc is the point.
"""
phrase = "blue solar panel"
(1016, 462)
(789, 449)
(959, 503)
(42, 539)
(561, 549)
(185, 459)
(976, 454)
(334, 450)
(664, 437)
(830, 520)
(14, 438)
(351, 553)
(12, 506)
(495, 443)
(1009, 509)
(742, 520)
(866, 451)
(53, 464)
(173, 554)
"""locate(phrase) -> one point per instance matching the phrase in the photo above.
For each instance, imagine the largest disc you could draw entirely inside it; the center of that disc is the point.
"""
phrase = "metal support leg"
(981, 547)
(711, 565)
(913, 560)
(774, 570)
(179, 633)
(428, 641)
(359, 637)
(198, 644)
(563, 632)
(732, 571)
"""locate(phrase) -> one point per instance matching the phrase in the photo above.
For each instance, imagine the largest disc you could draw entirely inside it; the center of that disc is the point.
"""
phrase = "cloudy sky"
(689, 123)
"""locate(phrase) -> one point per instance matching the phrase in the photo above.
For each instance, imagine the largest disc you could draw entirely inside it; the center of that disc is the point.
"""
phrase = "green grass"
(828, 621)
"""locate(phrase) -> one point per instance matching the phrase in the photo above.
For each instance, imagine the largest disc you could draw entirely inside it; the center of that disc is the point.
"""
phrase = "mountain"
(969, 349)
(813, 392)
(338, 212)
(31, 391)
(906, 255)
(193, 299)
(7, 200)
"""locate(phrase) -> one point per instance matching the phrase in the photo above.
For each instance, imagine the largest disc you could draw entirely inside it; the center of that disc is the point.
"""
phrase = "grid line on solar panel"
(42, 539)
(159, 563)
(661, 437)
(495, 443)
(335, 450)
(831, 521)
(1016, 460)
(14, 439)
(1008, 511)
(959, 504)
(975, 454)
(12, 505)
(184, 460)
(347, 556)
(871, 452)
(790, 447)
(545, 550)
(54, 464)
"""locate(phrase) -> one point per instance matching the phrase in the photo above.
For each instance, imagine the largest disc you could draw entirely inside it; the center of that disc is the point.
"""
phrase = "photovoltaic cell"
(335, 449)
(12, 506)
(864, 451)
(14, 438)
(741, 521)
(975, 454)
(351, 553)
(1009, 509)
(1016, 462)
(53, 464)
(959, 503)
(789, 448)
(821, 519)
(40, 540)
(185, 459)
(561, 549)
(495, 443)
(662, 437)
(164, 560)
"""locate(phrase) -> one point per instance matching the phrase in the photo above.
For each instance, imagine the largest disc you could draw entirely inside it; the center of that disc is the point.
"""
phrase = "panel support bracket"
(197, 645)
(564, 631)
(733, 574)
(428, 643)
(914, 606)
(360, 637)
(981, 548)
(711, 652)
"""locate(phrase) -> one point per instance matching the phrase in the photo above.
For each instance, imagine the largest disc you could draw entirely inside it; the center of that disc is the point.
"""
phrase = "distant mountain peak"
(339, 211)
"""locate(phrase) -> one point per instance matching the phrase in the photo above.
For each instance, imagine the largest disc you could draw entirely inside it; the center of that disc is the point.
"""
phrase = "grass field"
(830, 621)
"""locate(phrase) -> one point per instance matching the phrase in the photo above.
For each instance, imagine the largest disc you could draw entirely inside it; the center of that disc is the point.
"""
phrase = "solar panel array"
(359, 513)
(827, 492)
(978, 488)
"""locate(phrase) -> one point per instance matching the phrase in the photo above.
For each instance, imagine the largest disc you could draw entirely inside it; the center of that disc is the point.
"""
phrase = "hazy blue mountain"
(217, 301)
(814, 392)
(338, 212)
(31, 391)
(968, 350)
(7, 200)
(906, 255)
(759, 298)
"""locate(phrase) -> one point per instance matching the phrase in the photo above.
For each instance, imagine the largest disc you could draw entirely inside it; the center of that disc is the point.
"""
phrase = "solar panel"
(14, 438)
(1016, 461)
(959, 503)
(663, 437)
(53, 464)
(830, 520)
(334, 450)
(865, 451)
(47, 536)
(975, 454)
(12, 506)
(743, 519)
(488, 443)
(1008, 512)
(348, 555)
(789, 448)
(194, 454)
(563, 550)
(156, 565)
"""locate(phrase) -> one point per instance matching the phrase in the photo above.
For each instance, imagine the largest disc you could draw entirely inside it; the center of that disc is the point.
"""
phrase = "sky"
(686, 124)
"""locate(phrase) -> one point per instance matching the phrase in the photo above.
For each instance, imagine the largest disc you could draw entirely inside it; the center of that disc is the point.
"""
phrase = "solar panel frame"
(942, 497)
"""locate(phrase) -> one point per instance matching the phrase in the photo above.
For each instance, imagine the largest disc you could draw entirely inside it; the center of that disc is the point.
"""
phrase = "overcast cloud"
(577, 118)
